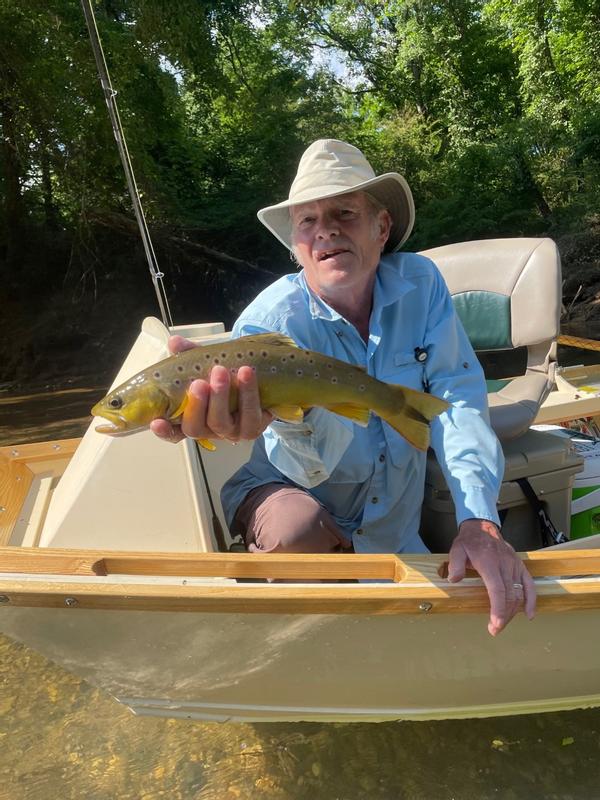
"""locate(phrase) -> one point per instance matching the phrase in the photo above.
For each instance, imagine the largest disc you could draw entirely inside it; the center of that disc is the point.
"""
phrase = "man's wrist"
(484, 526)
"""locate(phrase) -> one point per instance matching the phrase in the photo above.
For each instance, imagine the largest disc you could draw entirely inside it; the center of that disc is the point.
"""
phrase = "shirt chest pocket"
(406, 369)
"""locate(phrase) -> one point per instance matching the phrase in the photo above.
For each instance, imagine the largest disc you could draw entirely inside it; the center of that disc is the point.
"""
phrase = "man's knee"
(289, 520)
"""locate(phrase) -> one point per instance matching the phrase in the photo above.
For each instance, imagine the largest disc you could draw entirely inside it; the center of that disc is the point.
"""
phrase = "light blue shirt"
(370, 479)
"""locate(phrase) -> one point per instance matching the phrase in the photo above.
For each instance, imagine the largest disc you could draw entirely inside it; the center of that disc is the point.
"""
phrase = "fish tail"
(411, 413)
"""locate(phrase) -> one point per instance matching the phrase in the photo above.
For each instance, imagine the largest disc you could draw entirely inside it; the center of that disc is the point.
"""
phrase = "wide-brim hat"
(330, 167)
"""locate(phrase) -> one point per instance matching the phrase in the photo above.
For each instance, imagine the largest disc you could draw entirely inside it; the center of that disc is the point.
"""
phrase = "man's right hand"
(207, 415)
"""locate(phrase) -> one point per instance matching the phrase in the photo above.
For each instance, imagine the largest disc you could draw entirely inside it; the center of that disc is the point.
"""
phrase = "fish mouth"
(113, 424)
(325, 254)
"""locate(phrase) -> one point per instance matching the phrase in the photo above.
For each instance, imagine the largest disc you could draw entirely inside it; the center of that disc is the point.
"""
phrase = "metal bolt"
(4, 598)
(14, 452)
(56, 447)
(425, 606)
(2, 509)
(71, 601)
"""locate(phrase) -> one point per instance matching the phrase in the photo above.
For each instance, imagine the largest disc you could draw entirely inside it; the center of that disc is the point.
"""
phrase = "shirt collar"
(318, 307)
(390, 285)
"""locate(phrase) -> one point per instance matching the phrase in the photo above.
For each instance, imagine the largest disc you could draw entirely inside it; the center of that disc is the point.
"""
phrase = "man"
(326, 484)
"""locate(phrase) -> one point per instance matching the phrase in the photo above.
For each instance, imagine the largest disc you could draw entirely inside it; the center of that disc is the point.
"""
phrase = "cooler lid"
(534, 453)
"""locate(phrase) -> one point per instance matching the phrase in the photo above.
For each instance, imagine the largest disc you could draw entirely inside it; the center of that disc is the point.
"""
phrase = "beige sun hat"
(330, 167)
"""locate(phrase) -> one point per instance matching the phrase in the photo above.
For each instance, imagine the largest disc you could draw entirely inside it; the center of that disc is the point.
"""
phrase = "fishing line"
(110, 95)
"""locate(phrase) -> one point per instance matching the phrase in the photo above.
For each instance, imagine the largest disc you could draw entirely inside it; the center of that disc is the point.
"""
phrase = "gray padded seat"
(507, 293)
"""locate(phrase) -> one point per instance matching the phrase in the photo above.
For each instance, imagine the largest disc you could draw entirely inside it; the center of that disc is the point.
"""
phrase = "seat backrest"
(507, 293)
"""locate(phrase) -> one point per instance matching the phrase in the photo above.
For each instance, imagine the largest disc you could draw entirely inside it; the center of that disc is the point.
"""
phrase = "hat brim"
(391, 189)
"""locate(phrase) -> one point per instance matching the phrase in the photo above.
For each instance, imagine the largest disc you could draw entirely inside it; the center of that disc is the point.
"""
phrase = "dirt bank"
(77, 332)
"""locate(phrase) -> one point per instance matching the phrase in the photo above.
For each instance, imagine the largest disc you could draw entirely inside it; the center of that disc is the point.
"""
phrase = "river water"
(60, 738)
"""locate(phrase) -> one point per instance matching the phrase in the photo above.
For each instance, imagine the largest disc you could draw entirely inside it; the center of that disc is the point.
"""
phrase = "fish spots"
(283, 359)
(207, 356)
(334, 379)
(179, 368)
(316, 374)
(361, 387)
(311, 361)
(238, 355)
(329, 366)
(264, 354)
(197, 367)
(292, 356)
(273, 368)
(157, 375)
(251, 353)
(299, 373)
(216, 360)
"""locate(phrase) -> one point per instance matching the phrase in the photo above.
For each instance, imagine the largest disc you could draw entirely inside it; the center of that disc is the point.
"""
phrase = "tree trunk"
(14, 207)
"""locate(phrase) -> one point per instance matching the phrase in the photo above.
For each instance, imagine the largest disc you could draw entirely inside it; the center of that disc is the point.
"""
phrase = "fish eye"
(115, 402)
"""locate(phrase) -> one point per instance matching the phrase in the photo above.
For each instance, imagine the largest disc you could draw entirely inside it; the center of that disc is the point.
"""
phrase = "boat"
(115, 563)
(575, 398)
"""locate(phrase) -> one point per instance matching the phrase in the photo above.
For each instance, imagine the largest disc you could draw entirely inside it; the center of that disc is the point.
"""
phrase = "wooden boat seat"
(507, 293)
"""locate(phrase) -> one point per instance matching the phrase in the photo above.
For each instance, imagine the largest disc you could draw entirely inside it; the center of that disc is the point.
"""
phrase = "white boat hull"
(328, 668)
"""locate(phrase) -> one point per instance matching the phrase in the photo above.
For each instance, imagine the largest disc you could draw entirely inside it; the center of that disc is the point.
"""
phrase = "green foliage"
(490, 108)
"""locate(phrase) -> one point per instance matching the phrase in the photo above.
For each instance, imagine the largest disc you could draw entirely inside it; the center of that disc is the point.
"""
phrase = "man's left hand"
(510, 587)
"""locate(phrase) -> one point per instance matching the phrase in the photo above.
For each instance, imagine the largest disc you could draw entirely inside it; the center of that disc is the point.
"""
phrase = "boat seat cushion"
(514, 406)
(507, 294)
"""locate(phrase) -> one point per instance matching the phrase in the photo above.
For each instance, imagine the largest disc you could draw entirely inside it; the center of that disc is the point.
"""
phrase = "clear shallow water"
(60, 738)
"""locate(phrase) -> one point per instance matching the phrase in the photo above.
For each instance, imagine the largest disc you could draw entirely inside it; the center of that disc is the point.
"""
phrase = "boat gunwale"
(411, 584)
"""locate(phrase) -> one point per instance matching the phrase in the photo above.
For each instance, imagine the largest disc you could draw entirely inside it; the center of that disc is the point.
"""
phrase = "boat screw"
(14, 452)
(4, 598)
(2, 509)
(71, 602)
(56, 447)
(425, 606)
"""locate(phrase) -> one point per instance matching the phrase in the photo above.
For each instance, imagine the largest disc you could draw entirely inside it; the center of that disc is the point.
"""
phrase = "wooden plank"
(39, 451)
(18, 465)
(559, 596)
(290, 566)
(15, 482)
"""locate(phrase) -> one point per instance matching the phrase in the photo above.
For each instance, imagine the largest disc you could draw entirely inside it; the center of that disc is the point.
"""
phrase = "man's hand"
(509, 585)
(207, 415)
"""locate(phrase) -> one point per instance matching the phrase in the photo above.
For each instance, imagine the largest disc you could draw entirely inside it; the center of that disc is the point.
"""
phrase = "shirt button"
(374, 499)
(358, 531)
(382, 458)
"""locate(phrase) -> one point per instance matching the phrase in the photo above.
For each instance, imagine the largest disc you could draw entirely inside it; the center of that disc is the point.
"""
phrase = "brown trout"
(290, 380)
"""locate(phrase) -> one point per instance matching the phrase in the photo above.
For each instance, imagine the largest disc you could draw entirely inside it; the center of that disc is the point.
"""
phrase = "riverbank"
(77, 334)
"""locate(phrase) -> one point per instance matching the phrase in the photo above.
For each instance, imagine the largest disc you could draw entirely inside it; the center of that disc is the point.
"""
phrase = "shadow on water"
(61, 738)
(46, 415)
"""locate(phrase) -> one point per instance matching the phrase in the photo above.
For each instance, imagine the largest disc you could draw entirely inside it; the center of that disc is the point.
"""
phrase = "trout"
(290, 380)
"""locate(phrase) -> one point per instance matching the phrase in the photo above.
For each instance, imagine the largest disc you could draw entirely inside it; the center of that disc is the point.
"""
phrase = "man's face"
(338, 241)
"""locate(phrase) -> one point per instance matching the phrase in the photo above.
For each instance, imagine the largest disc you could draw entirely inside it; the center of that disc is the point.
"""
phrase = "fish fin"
(287, 413)
(179, 411)
(415, 412)
(206, 444)
(356, 413)
(266, 339)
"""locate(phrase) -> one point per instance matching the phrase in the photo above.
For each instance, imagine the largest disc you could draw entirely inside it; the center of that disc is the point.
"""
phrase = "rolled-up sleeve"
(467, 449)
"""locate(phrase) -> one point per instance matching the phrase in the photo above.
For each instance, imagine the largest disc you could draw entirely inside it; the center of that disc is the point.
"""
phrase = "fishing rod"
(110, 95)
